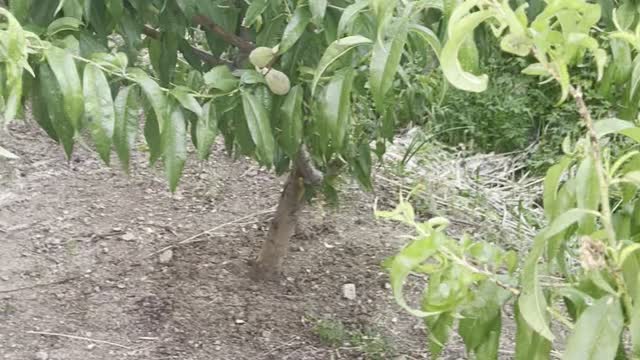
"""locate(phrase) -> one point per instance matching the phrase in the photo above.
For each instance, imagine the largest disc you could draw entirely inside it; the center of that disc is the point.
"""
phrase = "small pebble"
(349, 291)
(166, 257)
(41, 355)
(128, 237)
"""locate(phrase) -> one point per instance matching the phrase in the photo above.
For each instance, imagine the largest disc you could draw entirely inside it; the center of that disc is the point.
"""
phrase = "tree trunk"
(268, 265)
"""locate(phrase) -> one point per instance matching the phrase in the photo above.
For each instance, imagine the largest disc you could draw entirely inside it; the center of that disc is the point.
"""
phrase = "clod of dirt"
(128, 237)
(41, 355)
(349, 291)
(166, 257)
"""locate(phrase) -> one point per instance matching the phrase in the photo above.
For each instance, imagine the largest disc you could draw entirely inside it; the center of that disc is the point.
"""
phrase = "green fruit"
(261, 56)
(277, 82)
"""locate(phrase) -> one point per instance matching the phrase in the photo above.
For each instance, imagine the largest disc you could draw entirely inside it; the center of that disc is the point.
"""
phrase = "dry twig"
(78, 338)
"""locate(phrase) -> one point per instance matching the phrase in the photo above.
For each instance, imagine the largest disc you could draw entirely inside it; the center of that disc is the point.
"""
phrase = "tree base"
(268, 265)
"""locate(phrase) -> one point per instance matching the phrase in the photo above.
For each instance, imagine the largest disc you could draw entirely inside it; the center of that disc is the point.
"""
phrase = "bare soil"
(76, 245)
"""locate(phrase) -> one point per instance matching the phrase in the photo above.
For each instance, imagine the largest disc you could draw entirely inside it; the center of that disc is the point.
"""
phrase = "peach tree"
(582, 272)
(302, 86)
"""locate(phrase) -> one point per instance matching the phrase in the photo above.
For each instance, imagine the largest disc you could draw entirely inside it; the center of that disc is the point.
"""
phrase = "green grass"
(368, 342)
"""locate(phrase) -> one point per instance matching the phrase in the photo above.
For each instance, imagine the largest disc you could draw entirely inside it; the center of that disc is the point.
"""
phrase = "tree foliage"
(267, 75)
(585, 259)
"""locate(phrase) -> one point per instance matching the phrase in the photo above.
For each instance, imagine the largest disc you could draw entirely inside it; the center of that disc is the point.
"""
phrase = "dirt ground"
(76, 245)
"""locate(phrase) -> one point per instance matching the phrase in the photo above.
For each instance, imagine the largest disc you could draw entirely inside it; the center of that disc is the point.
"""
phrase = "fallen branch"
(78, 338)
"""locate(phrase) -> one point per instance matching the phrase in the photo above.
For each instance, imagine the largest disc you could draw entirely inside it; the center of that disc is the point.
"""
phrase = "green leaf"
(439, 328)
(337, 49)
(255, 9)
(551, 184)
(362, 166)
(186, 99)
(63, 24)
(295, 28)
(409, 258)
(451, 66)
(152, 132)
(65, 71)
(116, 8)
(611, 126)
(259, 127)
(427, 35)
(168, 57)
(39, 109)
(20, 9)
(349, 15)
(207, 129)
(532, 302)
(127, 111)
(587, 194)
(73, 8)
(481, 326)
(518, 44)
(54, 100)
(221, 78)
(174, 146)
(634, 330)
(291, 121)
(318, 9)
(529, 344)
(385, 60)
(99, 110)
(335, 108)
(154, 95)
(383, 9)
(596, 334)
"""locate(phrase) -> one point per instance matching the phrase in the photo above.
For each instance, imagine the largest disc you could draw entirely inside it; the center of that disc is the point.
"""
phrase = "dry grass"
(488, 195)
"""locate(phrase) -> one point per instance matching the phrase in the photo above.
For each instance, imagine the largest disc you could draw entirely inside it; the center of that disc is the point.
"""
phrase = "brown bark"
(268, 265)
(227, 37)
(203, 55)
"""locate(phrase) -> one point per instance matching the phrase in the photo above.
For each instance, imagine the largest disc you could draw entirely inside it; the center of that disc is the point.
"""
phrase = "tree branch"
(203, 55)
(229, 38)
(305, 166)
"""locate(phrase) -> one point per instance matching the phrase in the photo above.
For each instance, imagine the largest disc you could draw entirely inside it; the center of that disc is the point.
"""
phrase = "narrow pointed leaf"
(451, 66)
(596, 335)
(186, 99)
(336, 50)
(54, 100)
(66, 73)
(259, 127)
(532, 302)
(207, 129)
(335, 107)
(154, 94)
(39, 109)
(318, 9)
(349, 15)
(127, 110)
(427, 35)
(291, 121)
(385, 60)
(174, 147)
(295, 28)
(99, 109)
